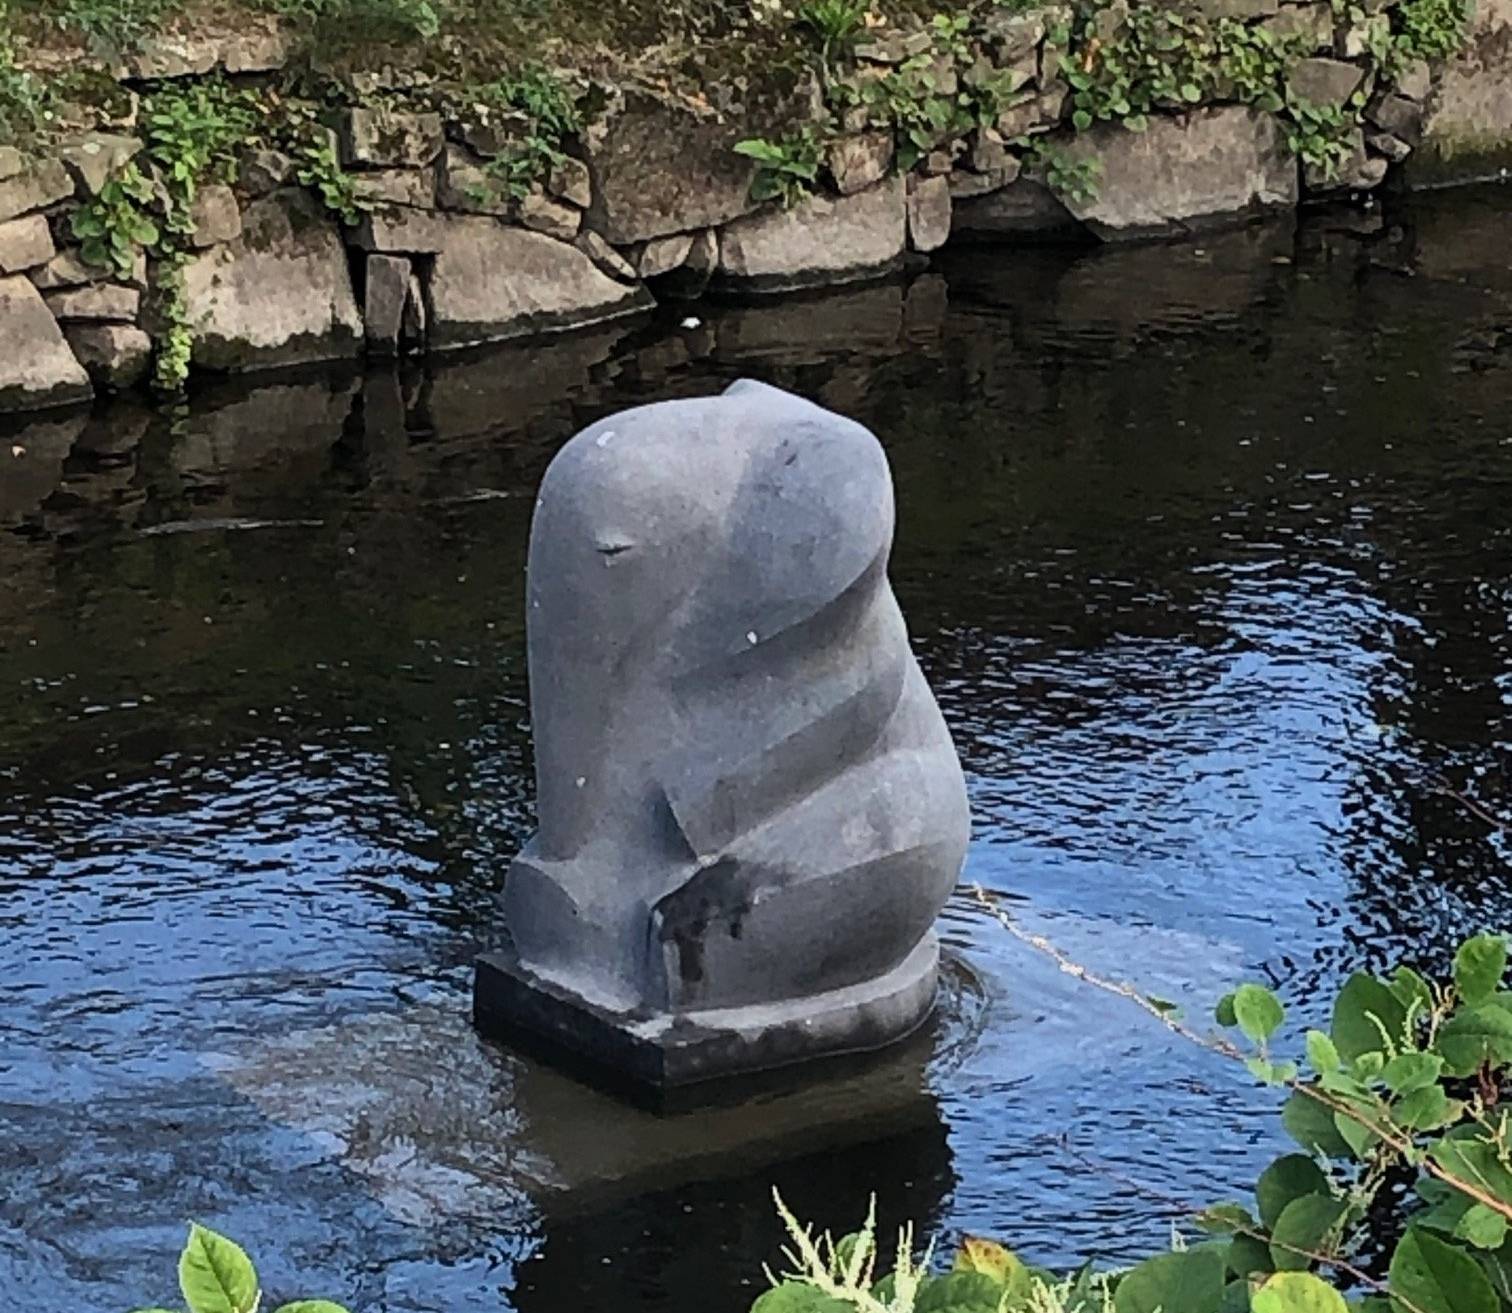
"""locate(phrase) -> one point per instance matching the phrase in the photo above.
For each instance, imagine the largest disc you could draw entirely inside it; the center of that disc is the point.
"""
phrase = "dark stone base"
(645, 1054)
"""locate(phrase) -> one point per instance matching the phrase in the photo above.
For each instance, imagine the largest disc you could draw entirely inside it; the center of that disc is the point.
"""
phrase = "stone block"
(1311, 26)
(214, 217)
(97, 157)
(1034, 114)
(570, 181)
(492, 281)
(37, 185)
(1415, 81)
(115, 356)
(25, 243)
(96, 303)
(264, 171)
(1012, 35)
(256, 46)
(662, 255)
(824, 240)
(1393, 149)
(1324, 82)
(891, 48)
(967, 186)
(413, 187)
(1240, 10)
(928, 213)
(856, 162)
(37, 368)
(384, 138)
(12, 161)
(465, 185)
(172, 55)
(691, 278)
(281, 293)
(1401, 117)
(986, 152)
(663, 166)
(402, 231)
(609, 260)
(1208, 164)
(386, 292)
(540, 213)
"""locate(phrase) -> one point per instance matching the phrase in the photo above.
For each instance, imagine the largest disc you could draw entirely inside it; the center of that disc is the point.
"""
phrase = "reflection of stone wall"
(1468, 134)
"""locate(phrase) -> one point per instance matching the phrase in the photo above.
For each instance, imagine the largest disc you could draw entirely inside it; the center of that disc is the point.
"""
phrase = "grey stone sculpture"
(750, 808)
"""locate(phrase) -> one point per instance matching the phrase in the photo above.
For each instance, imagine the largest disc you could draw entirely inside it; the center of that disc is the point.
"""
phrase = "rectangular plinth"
(646, 1055)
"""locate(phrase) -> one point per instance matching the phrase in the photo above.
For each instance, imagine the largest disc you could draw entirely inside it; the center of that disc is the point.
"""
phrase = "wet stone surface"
(1204, 549)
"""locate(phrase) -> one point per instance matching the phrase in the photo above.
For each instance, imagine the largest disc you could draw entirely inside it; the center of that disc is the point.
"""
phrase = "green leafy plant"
(787, 170)
(216, 1276)
(549, 114)
(1431, 29)
(1407, 1085)
(25, 98)
(1321, 136)
(109, 26)
(1071, 176)
(405, 19)
(835, 22)
(114, 226)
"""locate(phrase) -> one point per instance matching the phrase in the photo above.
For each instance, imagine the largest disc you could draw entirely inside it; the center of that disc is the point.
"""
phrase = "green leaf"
(1289, 1177)
(1475, 1036)
(1482, 1227)
(1412, 1071)
(794, 1297)
(1426, 1109)
(1311, 1124)
(1236, 1298)
(1434, 1276)
(1476, 1162)
(1225, 1219)
(1191, 1282)
(1081, 120)
(1479, 967)
(1304, 1224)
(1411, 988)
(1363, 1009)
(1248, 1254)
(958, 1292)
(1224, 1012)
(1360, 1138)
(1321, 1052)
(1258, 1011)
(1297, 1292)
(215, 1274)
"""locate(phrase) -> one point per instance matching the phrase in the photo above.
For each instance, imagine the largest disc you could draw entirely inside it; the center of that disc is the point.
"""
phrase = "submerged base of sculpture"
(648, 1053)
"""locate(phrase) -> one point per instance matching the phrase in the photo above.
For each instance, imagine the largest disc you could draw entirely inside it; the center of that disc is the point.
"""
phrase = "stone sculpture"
(750, 808)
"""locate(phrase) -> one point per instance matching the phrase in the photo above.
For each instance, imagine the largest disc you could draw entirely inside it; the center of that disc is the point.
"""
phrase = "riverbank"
(225, 188)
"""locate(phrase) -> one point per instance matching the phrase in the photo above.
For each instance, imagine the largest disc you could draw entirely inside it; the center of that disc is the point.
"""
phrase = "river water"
(1205, 548)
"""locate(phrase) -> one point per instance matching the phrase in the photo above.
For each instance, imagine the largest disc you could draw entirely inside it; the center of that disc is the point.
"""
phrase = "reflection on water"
(1205, 548)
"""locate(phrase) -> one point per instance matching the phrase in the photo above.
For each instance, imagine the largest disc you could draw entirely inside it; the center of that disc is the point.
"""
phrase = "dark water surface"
(1205, 548)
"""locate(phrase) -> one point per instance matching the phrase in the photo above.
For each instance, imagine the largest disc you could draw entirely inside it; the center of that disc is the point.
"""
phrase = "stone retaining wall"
(654, 203)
